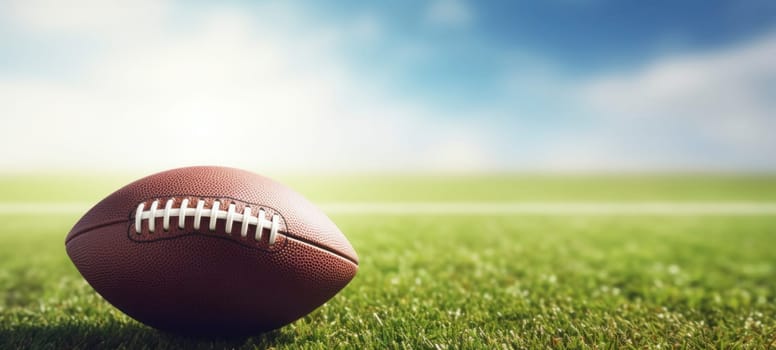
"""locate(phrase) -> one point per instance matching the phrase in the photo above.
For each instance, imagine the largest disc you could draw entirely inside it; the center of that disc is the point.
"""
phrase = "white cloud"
(262, 91)
(86, 17)
(713, 110)
(449, 13)
(231, 89)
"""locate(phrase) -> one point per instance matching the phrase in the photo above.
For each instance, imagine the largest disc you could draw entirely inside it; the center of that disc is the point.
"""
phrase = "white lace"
(214, 213)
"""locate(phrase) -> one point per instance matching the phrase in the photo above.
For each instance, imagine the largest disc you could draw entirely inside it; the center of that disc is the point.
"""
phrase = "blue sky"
(578, 38)
(565, 85)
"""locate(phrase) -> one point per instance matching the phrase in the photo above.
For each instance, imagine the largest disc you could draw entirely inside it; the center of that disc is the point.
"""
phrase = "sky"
(400, 86)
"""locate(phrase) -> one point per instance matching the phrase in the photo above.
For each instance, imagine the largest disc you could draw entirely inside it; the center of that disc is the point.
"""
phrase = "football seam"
(327, 249)
(213, 215)
(324, 250)
(288, 233)
(230, 239)
(130, 216)
(180, 195)
(74, 235)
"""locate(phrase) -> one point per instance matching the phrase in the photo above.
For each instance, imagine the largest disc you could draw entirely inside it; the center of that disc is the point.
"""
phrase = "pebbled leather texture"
(211, 282)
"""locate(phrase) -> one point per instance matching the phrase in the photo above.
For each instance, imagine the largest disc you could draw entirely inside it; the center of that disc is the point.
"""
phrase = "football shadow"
(125, 335)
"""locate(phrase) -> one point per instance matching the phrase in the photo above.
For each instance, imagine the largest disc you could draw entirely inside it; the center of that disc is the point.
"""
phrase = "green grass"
(464, 282)
(35, 188)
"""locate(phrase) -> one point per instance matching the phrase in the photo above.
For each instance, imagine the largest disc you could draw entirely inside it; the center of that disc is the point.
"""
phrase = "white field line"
(474, 208)
(555, 208)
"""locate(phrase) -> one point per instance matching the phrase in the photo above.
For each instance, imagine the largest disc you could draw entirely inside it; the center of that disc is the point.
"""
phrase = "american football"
(211, 250)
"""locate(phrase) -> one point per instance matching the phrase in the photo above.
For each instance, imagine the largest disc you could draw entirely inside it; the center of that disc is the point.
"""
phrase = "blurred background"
(400, 86)
(513, 174)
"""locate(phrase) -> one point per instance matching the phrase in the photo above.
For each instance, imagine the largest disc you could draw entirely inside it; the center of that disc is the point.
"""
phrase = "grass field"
(455, 281)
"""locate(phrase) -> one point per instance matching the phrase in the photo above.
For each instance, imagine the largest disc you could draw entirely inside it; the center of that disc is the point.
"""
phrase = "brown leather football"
(211, 250)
